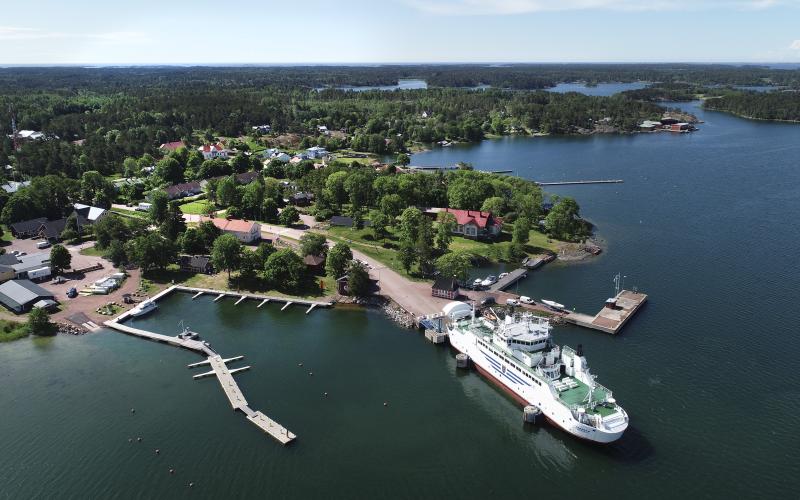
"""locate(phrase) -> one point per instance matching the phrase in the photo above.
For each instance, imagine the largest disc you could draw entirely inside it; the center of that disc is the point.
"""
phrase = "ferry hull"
(560, 417)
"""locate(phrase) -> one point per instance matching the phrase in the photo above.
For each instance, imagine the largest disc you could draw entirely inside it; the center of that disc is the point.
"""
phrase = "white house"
(90, 213)
(247, 231)
(29, 135)
(212, 151)
(262, 129)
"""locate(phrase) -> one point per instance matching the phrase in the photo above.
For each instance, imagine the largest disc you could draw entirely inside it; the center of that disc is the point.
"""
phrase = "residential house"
(91, 214)
(446, 288)
(298, 158)
(197, 264)
(27, 228)
(20, 295)
(172, 146)
(246, 231)
(212, 151)
(301, 199)
(29, 135)
(183, 190)
(281, 157)
(316, 152)
(12, 187)
(315, 264)
(262, 129)
(475, 223)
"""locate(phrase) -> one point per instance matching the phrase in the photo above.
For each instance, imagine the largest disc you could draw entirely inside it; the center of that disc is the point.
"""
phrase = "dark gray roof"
(27, 226)
(443, 283)
(16, 294)
(8, 259)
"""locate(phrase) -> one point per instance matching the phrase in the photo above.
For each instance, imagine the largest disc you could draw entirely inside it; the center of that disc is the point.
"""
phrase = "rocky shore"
(393, 311)
(68, 329)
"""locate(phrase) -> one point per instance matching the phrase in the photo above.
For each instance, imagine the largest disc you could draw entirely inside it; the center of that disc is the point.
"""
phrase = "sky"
(89, 32)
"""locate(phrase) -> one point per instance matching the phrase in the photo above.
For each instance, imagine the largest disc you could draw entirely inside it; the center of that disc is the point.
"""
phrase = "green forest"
(783, 105)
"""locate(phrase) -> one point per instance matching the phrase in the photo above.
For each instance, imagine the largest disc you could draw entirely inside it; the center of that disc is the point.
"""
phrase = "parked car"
(72, 293)
(59, 279)
(488, 301)
(43, 244)
(477, 282)
(512, 302)
(526, 300)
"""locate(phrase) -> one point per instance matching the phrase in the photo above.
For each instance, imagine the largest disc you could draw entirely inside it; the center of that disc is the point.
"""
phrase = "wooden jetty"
(613, 316)
(220, 294)
(569, 183)
(218, 367)
(508, 280)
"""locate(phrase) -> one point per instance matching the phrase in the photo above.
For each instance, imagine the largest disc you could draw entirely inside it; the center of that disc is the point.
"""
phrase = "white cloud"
(22, 33)
(795, 45)
(500, 7)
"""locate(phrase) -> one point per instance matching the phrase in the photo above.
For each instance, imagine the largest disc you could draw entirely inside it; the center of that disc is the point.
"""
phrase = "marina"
(219, 368)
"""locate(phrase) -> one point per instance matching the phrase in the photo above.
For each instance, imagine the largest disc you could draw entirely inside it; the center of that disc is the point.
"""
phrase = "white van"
(512, 302)
(43, 244)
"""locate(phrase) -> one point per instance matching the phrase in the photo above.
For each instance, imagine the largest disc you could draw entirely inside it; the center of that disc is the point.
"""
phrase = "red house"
(475, 224)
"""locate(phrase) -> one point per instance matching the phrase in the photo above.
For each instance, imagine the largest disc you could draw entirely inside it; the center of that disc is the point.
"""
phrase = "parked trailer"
(39, 274)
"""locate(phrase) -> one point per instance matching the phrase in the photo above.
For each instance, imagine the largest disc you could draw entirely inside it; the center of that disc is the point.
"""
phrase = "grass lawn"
(130, 213)
(12, 330)
(93, 252)
(362, 241)
(197, 207)
(7, 237)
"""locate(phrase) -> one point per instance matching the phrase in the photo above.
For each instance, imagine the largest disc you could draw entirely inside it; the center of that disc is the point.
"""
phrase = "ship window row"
(524, 372)
(526, 342)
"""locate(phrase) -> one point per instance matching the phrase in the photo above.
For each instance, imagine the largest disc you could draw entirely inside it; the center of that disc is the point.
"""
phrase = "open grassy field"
(197, 207)
(12, 330)
(362, 240)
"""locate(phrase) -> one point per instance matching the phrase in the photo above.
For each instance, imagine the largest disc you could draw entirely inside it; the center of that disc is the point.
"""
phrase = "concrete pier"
(207, 362)
(611, 319)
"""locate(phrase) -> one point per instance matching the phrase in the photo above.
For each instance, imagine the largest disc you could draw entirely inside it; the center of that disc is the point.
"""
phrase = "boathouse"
(446, 288)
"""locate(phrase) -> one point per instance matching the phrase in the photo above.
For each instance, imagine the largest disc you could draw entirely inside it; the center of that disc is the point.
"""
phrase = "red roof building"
(247, 231)
(210, 151)
(475, 224)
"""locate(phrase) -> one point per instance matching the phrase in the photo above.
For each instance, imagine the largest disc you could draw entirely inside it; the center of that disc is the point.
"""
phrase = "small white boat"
(489, 281)
(503, 275)
(553, 305)
(143, 308)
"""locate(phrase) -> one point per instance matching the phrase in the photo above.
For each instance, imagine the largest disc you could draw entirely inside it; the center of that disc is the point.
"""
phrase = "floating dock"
(570, 183)
(218, 368)
(613, 317)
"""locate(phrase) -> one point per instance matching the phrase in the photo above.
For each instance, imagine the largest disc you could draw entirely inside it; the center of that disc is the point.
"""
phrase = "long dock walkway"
(220, 294)
(224, 375)
(569, 183)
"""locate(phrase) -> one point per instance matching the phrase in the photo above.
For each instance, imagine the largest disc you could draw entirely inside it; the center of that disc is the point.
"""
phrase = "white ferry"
(518, 355)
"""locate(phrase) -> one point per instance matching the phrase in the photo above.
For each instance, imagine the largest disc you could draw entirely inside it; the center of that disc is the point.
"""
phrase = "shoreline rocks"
(390, 308)
(68, 329)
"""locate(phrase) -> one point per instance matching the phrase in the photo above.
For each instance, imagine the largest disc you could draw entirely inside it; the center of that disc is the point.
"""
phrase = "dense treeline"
(515, 76)
(762, 105)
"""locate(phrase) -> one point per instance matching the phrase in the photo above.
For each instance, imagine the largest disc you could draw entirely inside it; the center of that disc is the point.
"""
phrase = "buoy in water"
(139, 439)
(172, 471)
(191, 485)
(299, 364)
(326, 394)
(385, 403)
(311, 374)
(130, 440)
(158, 451)
(133, 410)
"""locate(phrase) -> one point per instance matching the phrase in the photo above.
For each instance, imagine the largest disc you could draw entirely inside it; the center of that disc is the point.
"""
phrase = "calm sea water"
(601, 89)
(706, 223)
